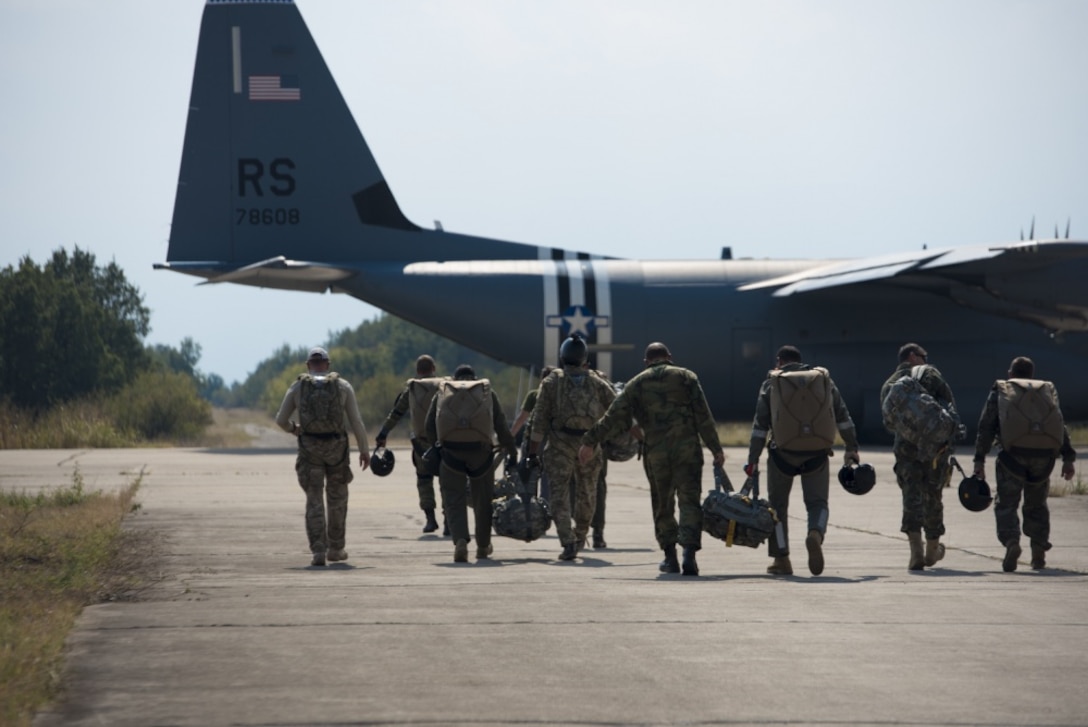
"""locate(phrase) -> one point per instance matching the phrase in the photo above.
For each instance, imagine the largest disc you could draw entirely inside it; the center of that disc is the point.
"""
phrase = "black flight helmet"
(382, 462)
(857, 480)
(573, 351)
(975, 494)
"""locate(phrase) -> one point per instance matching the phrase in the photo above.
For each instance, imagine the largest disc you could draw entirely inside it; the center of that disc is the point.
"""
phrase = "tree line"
(75, 369)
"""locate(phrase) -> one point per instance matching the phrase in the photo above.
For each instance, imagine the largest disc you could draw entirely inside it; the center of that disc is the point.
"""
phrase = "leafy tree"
(70, 328)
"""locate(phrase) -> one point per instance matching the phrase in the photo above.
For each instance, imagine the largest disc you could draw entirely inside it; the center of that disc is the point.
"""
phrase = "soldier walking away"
(800, 412)
(1023, 414)
(921, 475)
(415, 400)
(523, 424)
(571, 400)
(669, 405)
(326, 407)
(463, 421)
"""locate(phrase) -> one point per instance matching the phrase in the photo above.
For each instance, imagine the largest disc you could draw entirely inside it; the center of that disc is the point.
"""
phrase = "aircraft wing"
(1035, 281)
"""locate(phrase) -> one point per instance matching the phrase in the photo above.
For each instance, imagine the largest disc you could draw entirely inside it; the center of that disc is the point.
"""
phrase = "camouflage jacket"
(569, 402)
(669, 405)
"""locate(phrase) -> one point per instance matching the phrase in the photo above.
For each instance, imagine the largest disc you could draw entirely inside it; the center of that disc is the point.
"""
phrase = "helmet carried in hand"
(857, 479)
(975, 494)
(381, 463)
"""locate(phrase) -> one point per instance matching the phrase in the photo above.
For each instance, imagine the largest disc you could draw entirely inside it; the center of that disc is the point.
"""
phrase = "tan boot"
(813, 542)
(1038, 557)
(934, 551)
(460, 551)
(917, 559)
(781, 566)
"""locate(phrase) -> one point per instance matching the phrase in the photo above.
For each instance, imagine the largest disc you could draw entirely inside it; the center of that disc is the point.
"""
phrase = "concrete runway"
(240, 630)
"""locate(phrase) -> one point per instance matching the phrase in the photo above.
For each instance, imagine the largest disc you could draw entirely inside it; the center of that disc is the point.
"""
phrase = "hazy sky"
(620, 127)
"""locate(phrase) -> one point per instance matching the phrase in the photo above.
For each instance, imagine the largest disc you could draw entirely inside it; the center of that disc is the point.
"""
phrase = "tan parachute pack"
(420, 394)
(1029, 415)
(464, 411)
(802, 417)
(320, 410)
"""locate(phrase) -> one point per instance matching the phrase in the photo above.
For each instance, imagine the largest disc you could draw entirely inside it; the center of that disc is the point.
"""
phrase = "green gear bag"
(911, 413)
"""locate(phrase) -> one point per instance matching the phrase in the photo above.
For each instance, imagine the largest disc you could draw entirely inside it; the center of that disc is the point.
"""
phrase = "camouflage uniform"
(1019, 472)
(424, 479)
(570, 401)
(323, 464)
(922, 481)
(783, 464)
(670, 407)
(471, 463)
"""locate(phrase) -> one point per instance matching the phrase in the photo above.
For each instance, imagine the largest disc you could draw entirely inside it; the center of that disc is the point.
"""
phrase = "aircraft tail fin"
(273, 162)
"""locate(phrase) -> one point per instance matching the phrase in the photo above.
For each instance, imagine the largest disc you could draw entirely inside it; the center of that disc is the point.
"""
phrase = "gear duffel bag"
(739, 518)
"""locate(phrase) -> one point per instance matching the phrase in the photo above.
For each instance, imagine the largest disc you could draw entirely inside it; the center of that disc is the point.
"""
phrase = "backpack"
(320, 410)
(577, 405)
(420, 394)
(802, 418)
(464, 411)
(912, 414)
(1028, 415)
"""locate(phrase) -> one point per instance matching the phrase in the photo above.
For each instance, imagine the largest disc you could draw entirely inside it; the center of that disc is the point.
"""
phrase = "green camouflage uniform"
(569, 403)
(783, 464)
(424, 479)
(471, 463)
(669, 405)
(323, 465)
(922, 482)
(1019, 472)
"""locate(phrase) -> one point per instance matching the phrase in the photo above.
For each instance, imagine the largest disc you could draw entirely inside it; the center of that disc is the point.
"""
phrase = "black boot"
(598, 540)
(691, 568)
(431, 525)
(670, 564)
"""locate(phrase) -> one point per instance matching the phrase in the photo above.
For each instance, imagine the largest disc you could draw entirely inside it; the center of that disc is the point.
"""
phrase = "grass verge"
(60, 550)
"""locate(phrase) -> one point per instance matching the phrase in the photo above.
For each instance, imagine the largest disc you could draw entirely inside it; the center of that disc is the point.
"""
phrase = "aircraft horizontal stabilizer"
(277, 272)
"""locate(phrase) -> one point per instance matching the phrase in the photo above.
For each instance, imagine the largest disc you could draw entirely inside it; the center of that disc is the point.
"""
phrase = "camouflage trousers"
(922, 484)
(456, 497)
(560, 461)
(1032, 482)
(424, 480)
(676, 475)
(323, 467)
(602, 497)
(814, 487)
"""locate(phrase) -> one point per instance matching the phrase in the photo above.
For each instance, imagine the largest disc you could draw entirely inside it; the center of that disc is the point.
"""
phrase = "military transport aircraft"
(279, 189)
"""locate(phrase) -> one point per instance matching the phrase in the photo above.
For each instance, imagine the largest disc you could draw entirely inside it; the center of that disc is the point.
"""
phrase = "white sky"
(622, 127)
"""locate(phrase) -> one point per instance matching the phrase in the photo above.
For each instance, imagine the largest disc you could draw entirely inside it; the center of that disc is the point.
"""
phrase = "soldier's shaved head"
(657, 352)
(1022, 367)
(789, 354)
(424, 366)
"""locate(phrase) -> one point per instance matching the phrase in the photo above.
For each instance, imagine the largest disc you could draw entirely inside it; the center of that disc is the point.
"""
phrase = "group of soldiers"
(575, 411)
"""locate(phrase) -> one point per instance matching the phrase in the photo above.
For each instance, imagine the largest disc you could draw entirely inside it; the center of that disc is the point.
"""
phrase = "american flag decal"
(274, 88)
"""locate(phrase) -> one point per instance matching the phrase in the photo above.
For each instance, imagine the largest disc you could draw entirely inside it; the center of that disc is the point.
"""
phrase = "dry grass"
(60, 551)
